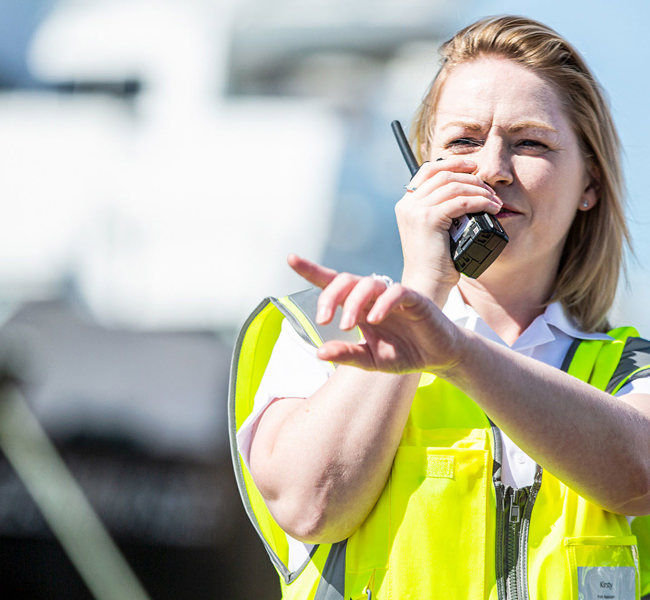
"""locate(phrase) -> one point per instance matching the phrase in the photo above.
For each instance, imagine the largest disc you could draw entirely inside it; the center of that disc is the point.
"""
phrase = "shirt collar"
(542, 330)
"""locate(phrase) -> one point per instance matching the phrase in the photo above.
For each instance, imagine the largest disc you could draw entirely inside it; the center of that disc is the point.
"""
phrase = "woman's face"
(511, 123)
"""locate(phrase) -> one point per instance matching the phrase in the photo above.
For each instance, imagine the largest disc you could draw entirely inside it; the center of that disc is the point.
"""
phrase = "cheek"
(536, 178)
(551, 189)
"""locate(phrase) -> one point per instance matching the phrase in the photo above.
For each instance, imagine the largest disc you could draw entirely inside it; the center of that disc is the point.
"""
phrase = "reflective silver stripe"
(332, 583)
(307, 301)
(634, 363)
(234, 450)
(287, 575)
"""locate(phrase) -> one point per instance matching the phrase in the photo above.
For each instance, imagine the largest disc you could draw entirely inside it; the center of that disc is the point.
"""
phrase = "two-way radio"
(476, 239)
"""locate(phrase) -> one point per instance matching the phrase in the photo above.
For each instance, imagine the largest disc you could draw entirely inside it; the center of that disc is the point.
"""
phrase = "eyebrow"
(517, 127)
(532, 125)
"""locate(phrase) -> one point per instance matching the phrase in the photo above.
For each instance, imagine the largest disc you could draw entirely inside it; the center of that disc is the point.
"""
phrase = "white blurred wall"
(176, 210)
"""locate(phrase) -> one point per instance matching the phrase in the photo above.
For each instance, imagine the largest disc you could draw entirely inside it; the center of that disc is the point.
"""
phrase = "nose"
(495, 162)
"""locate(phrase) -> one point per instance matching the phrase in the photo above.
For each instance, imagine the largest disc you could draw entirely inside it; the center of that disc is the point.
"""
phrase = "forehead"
(499, 91)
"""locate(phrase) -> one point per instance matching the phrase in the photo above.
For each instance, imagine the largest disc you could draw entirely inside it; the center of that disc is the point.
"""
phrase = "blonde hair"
(592, 259)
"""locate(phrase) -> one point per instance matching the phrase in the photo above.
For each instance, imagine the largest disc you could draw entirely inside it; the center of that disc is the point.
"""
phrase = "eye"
(463, 142)
(533, 145)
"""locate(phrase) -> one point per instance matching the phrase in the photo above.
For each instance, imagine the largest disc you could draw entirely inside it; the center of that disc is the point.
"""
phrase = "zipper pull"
(518, 500)
(505, 497)
(514, 510)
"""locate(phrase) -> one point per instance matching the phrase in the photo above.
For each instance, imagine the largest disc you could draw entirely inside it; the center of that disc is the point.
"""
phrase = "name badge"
(606, 583)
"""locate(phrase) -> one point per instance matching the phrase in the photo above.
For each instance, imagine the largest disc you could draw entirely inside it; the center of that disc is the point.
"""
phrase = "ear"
(591, 194)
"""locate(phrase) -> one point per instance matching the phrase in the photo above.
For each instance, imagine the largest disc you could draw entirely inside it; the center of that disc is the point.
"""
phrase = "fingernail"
(321, 315)
(346, 320)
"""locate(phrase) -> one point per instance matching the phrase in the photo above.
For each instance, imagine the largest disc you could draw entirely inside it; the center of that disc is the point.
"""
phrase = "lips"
(507, 211)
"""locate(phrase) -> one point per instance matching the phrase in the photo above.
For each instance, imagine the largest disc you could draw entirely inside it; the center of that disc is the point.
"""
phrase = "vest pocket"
(603, 567)
(438, 523)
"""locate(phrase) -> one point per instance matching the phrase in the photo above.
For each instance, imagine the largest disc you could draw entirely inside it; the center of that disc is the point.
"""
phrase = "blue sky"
(614, 38)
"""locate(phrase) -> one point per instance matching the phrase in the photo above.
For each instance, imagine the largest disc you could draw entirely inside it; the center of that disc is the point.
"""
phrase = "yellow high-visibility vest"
(445, 526)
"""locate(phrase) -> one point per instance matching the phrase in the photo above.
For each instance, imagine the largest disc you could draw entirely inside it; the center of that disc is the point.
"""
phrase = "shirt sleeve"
(293, 371)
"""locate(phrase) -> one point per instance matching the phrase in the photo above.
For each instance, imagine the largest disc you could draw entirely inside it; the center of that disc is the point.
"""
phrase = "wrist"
(456, 353)
(435, 289)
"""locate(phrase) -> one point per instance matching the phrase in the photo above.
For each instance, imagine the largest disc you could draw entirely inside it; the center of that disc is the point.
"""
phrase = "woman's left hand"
(403, 330)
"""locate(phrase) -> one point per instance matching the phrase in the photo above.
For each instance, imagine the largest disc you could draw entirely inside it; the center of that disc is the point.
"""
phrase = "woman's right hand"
(442, 191)
(403, 331)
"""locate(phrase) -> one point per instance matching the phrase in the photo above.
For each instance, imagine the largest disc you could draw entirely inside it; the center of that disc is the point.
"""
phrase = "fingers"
(362, 299)
(357, 355)
(333, 296)
(365, 300)
(430, 168)
(451, 182)
(313, 272)
(396, 296)
(355, 294)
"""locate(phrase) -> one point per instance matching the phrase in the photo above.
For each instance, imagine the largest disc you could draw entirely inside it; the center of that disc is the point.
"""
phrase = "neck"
(507, 303)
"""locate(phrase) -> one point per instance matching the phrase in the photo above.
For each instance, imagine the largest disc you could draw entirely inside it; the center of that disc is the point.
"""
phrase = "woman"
(449, 455)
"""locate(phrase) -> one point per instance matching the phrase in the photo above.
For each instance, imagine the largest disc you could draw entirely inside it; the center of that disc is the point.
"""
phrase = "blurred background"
(158, 161)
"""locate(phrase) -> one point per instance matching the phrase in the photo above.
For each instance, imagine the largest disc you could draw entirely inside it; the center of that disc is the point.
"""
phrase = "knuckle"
(463, 204)
(367, 284)
(478, 181)
(428, 167)
(457, 188)
(445, 177)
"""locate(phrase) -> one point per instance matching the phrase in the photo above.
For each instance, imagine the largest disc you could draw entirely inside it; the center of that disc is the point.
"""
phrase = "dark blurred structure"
(165, 493)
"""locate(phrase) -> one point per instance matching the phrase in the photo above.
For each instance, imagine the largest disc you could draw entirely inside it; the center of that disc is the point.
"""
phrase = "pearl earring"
(585, 204)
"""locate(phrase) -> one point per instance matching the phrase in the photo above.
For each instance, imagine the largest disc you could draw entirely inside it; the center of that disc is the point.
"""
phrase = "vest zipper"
(514, 552)
(514, 507)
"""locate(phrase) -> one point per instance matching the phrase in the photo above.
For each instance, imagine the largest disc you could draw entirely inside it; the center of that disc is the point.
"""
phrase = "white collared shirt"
(294, 371)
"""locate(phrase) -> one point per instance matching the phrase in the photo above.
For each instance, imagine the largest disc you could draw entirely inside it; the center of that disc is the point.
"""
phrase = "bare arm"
(322, 462)
(597, 444)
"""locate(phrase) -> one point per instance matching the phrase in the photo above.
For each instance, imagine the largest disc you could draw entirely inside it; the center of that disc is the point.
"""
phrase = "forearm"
(597, 444)
(322, 462)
